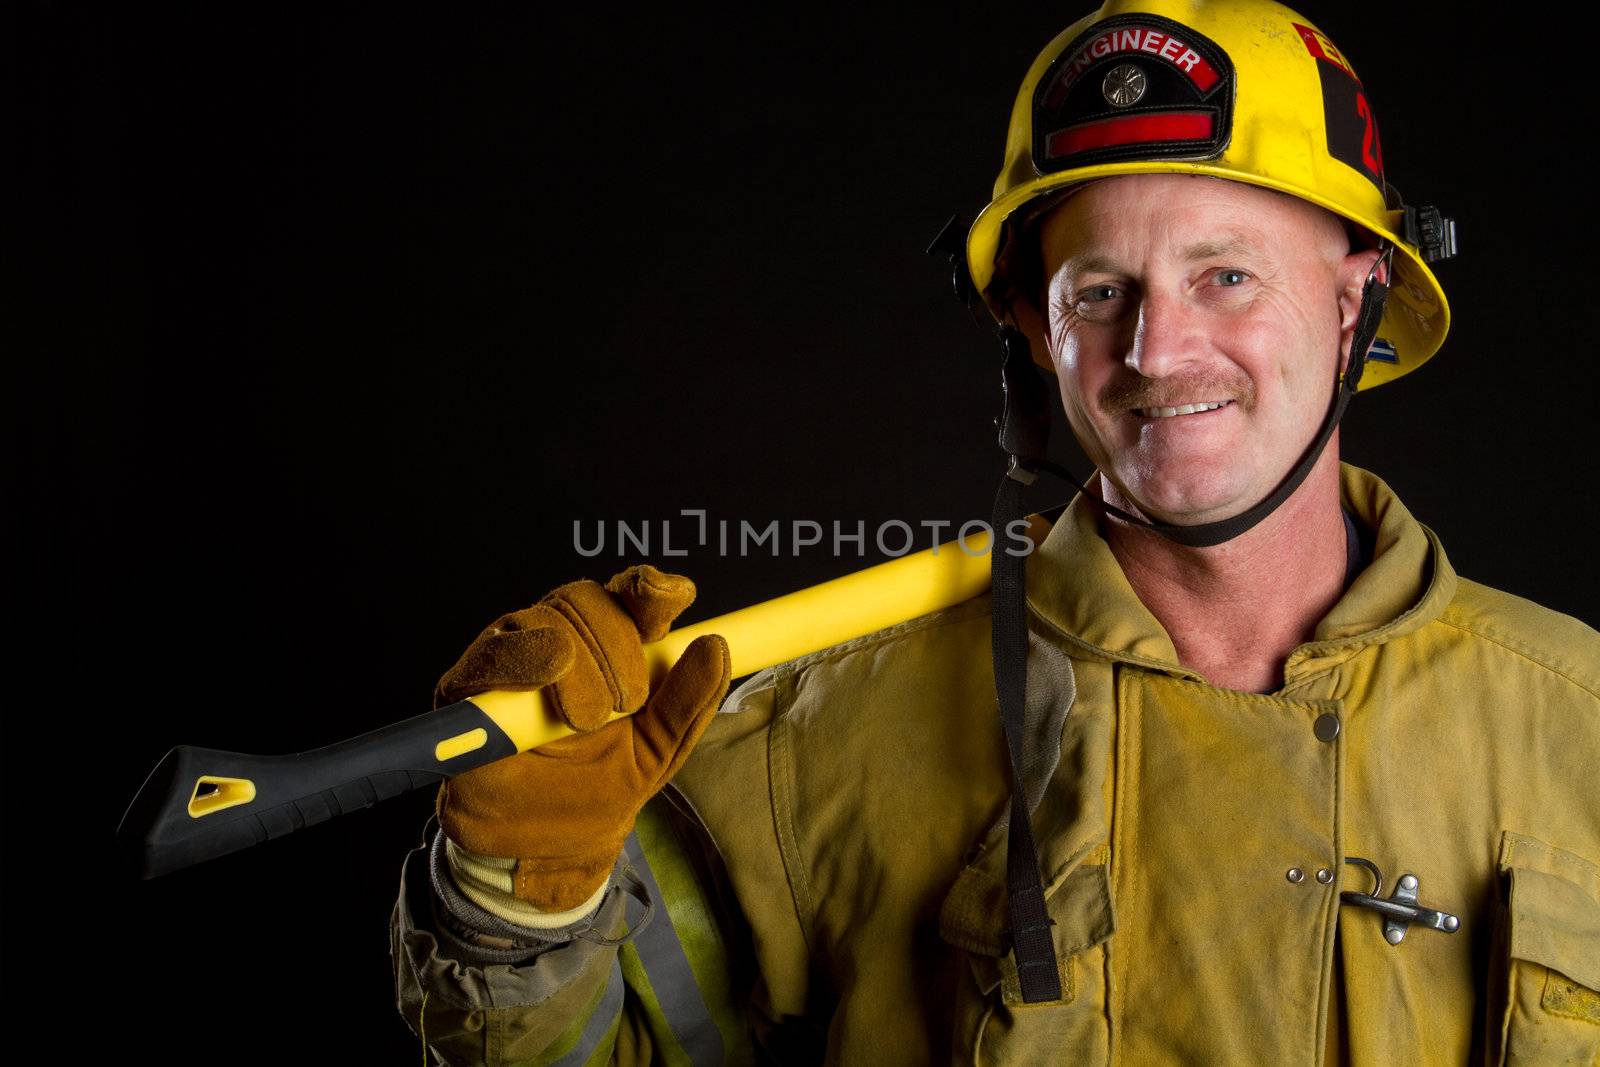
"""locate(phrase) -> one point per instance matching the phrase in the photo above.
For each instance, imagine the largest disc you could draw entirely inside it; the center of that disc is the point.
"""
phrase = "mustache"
(1125, 394)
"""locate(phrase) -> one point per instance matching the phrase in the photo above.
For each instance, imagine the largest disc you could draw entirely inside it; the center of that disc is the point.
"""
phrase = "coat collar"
(1077, 588)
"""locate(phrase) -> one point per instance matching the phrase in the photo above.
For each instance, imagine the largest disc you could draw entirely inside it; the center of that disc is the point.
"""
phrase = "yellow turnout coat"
(1193, 843)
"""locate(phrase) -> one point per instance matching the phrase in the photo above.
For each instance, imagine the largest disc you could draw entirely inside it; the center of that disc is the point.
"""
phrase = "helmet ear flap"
(951, 241)
(1019, 268)
(1024, 422)
(1019, 262)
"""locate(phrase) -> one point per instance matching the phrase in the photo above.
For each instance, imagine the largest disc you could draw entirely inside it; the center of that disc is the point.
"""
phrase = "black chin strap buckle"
(1374, 298)
(1020, 471)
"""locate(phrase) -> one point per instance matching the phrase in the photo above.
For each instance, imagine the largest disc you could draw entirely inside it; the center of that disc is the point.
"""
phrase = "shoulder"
(925, 651)
(1527, 634)
(913, 700)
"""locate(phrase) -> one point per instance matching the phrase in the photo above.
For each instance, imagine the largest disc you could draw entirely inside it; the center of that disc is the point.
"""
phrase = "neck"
(1235, 611)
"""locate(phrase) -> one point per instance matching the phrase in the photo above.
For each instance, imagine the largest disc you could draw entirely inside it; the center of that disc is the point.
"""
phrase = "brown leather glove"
(564, 808)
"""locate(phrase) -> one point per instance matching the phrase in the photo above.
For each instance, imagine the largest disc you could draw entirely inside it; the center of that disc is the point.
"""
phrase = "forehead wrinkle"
(1090, 263)
(1234, 244)
(1227, 245)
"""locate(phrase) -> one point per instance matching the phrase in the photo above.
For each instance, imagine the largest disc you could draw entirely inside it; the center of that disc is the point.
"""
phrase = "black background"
(346, 316)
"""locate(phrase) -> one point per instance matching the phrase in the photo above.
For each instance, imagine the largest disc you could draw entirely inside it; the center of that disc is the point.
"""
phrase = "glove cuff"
(490, 883)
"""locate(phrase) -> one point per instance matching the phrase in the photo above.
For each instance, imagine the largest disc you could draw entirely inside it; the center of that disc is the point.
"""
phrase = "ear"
(1353, 271)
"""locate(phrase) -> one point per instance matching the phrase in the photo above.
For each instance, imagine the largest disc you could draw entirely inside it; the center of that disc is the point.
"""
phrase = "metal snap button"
(1296, 875)
(1324, 876)
(1326, 727)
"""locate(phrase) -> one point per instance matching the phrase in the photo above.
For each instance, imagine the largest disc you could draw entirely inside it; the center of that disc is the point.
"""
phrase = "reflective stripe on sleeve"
(600, 1025)
(656, 961)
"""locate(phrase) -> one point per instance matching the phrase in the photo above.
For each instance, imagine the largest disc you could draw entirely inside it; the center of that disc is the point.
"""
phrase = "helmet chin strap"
(1024, 426)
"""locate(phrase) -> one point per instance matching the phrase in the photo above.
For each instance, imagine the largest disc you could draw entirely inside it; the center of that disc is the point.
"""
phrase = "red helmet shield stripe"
(1132, 129)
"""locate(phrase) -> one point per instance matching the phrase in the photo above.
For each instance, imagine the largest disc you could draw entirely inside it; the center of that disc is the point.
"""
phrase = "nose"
(1165, 335)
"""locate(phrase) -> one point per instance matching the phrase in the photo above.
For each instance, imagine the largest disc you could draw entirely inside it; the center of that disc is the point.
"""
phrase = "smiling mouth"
(1181, 409)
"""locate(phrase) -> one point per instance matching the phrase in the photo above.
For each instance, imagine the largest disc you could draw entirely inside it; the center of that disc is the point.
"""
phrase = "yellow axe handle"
(796, 624)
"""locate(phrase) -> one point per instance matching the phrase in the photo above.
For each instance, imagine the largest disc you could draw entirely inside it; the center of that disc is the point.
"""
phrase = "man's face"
(1195, 325)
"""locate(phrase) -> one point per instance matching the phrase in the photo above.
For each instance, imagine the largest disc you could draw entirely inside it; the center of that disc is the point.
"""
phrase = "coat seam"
(1526, 653)
(1124, 844)
(1330, 922)
(1239, 696)
(781, 789)
(767, 679)
(1113, 868)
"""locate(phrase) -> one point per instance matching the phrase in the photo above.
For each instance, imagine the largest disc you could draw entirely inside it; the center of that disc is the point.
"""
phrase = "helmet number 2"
(1352, 127)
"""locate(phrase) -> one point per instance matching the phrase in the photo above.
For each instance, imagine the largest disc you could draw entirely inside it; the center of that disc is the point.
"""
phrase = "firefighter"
(1273, 784)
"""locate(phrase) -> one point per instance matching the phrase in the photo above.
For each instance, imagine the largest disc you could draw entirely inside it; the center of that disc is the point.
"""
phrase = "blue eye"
(1096, 294)
(1231, 277)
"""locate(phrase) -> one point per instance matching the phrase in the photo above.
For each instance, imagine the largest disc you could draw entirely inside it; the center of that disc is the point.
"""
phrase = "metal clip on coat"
(1400, 910)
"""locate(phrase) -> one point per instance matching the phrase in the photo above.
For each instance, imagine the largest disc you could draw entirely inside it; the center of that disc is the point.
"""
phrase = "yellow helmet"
(1241, 89)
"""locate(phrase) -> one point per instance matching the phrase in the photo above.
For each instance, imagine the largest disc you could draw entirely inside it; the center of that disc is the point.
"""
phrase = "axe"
(200, 803)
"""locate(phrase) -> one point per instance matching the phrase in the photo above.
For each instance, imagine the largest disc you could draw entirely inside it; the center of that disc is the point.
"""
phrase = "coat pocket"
(992, 1024)
(1550, 963)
